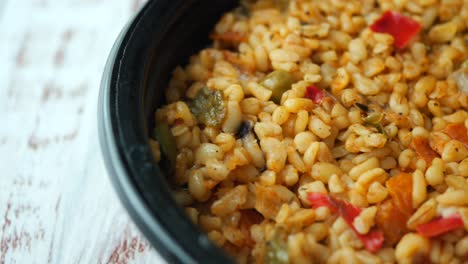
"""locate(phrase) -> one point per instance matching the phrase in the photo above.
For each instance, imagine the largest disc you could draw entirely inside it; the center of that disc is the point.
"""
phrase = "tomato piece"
(393, 214)
(402, 28)
(315, 94)
(457, 132)
(440, 226)
(423, 149)
(346, 210)
(230, 37)
(372, 241)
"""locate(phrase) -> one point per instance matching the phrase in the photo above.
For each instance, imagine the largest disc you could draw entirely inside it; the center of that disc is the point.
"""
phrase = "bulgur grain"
(256, 169)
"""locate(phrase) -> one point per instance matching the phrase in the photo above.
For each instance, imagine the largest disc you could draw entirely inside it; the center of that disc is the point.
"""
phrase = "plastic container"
(161, 36)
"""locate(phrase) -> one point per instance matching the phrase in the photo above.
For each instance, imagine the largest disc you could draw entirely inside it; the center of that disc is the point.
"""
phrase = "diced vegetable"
(208, 106)
(278, 82)
(315, 94)
(372, 241)
(319, 199)
(440, 226)
(373, 118)
(400, 189)
(346, 210)
(402, 28)
(392, 223)
(457, 132)
(276, 248)
(423, 149)
(230, 37)
(381, 129)
(393, 214)
(166, 141)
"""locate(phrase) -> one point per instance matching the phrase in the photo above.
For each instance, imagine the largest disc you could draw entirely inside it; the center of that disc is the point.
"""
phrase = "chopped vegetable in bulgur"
(326, 132)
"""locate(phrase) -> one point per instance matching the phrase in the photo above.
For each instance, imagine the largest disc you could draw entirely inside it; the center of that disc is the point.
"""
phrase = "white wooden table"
(56, 202)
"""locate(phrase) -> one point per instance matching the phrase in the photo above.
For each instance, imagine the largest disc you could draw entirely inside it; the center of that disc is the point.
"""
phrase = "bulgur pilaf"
(325, 132)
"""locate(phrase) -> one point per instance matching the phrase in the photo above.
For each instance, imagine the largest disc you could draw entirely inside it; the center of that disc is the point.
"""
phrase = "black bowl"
(161, 36)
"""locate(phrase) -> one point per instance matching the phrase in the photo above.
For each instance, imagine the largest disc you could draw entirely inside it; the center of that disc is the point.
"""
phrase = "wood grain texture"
(56, 202)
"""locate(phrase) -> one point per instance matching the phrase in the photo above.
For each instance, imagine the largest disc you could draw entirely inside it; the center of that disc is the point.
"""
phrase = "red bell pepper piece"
(402, 28)
(319, 199)
(440, 226)
(372, 241)
(345, 209)
(315, 94)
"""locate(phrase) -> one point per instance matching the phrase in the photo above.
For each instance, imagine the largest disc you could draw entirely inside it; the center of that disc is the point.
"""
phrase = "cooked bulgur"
(326, 132)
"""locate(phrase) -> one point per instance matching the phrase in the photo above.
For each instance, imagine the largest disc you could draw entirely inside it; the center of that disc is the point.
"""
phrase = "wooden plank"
(56, 201)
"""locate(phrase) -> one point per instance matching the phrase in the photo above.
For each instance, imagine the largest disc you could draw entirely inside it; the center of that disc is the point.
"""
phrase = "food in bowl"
(325, 132)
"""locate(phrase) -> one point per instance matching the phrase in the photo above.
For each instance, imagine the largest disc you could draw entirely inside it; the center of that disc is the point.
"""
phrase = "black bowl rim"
(126, 152)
